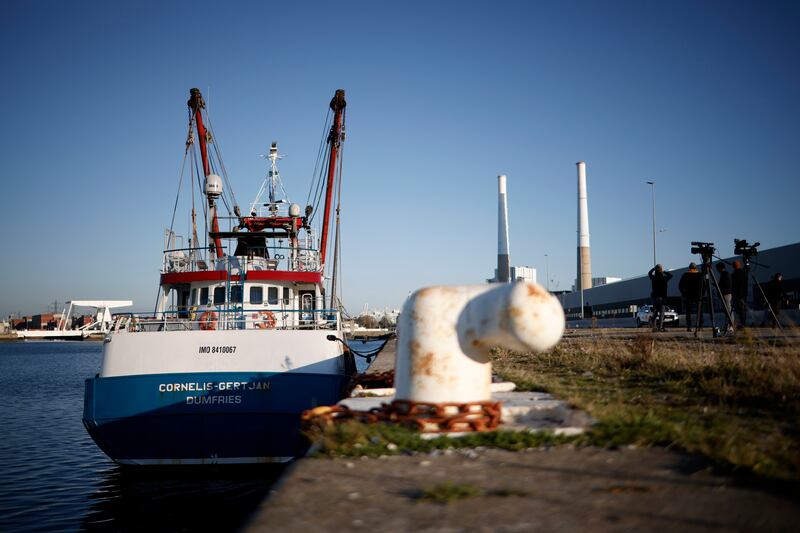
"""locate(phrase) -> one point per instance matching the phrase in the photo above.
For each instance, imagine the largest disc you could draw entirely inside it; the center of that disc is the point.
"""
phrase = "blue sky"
(702, 97)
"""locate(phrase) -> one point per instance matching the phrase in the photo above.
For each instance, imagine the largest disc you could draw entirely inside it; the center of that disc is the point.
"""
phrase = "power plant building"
(596, 282)
(518, 273)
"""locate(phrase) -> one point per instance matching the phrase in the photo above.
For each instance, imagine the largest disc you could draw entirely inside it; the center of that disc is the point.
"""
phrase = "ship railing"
(300, 258)
(229, 319)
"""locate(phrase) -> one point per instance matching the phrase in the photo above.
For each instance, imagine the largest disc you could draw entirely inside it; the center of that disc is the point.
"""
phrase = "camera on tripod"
(743, 248)
(705, 249)
(708, 282)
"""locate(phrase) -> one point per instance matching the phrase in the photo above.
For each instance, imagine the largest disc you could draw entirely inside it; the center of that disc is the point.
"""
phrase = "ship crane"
(213, 182)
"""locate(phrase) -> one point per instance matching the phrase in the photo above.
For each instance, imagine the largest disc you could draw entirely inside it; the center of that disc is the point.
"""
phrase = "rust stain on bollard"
(448, 332)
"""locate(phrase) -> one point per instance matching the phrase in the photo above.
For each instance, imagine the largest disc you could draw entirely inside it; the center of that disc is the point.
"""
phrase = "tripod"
(705, 293)
(747, 269)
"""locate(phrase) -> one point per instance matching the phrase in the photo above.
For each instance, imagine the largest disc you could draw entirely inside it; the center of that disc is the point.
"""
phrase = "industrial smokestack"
(584, 255)
(503, 264)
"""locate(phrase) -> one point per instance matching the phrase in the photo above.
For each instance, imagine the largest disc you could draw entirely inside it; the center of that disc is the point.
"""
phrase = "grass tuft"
(354, 439)
(448, 492)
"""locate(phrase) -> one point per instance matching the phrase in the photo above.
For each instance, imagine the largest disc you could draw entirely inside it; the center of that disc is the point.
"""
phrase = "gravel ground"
(555, 489)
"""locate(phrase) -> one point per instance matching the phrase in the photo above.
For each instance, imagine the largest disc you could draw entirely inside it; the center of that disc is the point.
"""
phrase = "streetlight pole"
(653, 196)
(547, 271)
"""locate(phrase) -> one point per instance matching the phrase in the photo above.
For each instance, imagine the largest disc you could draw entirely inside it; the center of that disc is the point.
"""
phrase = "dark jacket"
(659, 282)
(739, 284)
(724, 282)
(690, 284)
(775, 295)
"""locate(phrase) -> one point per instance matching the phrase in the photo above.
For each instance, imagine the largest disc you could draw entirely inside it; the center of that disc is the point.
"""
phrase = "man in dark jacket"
(658, 281)
(725, 289)
(739, 293)
(690, 285)
(775, 297)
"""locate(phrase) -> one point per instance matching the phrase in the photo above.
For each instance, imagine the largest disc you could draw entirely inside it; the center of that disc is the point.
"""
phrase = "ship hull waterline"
(204, 417)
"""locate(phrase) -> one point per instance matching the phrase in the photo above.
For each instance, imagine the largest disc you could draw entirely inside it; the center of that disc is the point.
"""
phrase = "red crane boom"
(196, 104)
(334, 140)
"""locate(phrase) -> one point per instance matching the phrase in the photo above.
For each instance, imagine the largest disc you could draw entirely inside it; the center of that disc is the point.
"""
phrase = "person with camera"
(775, 297)
(658, 280)
(725, 293)
(689, 287)
(739, 293)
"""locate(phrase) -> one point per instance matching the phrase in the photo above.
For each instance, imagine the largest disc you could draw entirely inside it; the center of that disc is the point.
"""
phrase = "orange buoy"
(264, 320)
(208, 321)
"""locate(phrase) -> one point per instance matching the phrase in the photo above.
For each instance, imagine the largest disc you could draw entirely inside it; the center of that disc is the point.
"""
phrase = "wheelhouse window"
(219, 295)
(256, 295)
(203, 296)
(193, 297)
(287, 295)
(272, 295)
(236, 294)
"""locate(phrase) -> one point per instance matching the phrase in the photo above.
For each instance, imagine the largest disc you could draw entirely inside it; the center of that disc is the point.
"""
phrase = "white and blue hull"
(237, 400)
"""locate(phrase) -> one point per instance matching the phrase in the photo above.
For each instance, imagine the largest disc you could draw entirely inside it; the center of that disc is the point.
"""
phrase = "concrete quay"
(550, 488)
(367, 333)
(384, 361)
(542, 489)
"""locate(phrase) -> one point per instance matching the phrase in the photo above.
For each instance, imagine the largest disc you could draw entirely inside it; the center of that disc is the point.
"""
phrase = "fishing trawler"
(245, 334)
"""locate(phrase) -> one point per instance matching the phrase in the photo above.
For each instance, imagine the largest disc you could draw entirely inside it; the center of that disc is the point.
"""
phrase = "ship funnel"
(503, 263)
(584, 280)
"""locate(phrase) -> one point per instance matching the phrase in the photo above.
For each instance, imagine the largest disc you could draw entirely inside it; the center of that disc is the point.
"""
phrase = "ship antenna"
(272, 183)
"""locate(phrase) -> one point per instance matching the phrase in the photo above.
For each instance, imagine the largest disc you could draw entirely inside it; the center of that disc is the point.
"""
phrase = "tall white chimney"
(503, 264)
(584, 255)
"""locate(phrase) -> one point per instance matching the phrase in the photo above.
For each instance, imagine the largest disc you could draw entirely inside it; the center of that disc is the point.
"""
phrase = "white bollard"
(445, 334)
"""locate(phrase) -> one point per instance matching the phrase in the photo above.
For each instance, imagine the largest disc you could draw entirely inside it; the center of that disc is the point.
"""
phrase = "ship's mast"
(271, 185)
(196, 104)
(334, 140)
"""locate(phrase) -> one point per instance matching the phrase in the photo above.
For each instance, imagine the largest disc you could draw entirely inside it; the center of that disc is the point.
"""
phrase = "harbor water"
(54, 478)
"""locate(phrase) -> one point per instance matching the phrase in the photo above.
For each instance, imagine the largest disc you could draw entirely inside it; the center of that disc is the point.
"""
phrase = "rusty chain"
(375, 380)
(426, 417)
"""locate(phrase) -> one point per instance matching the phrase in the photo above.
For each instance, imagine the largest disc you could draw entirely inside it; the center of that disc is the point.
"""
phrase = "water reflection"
(54, 478)
(178, 499)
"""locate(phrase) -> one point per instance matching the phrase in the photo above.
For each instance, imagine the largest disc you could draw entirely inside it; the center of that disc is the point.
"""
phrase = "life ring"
(264, 320)
(208, 321)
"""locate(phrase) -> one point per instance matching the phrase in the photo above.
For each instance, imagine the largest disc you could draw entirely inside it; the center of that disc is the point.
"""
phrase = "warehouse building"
(623, 298)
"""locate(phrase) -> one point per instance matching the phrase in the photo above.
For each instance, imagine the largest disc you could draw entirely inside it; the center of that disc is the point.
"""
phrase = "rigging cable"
(218, 152)
(320, 185)
(197, 174)
(319, 170)
(177, 197)
(189, 142)
(322, 143)
(180, 184)
(337, 247)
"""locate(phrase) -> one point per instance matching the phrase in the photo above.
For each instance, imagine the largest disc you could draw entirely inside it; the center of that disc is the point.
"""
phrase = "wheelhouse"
(253, 287)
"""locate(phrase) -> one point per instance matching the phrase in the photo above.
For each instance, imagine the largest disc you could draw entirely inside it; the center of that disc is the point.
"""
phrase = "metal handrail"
(193, 255)
(171, 321)
(205, 249)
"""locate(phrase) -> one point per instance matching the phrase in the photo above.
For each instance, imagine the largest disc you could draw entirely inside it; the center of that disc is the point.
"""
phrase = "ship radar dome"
(294, 210)
(213, 185)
